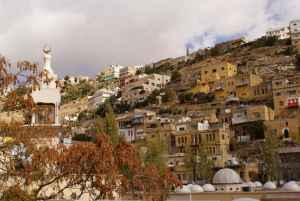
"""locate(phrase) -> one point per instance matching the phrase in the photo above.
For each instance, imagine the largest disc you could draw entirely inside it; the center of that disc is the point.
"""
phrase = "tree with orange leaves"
(34, 166)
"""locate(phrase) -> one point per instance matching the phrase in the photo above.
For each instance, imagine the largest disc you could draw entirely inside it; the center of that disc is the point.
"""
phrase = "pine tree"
(110, 126)
(205, 164)
(156, 151)
(270, 156)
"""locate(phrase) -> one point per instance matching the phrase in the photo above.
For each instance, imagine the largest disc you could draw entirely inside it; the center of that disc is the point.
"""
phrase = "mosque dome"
(196, 188)
(258, 184)
(245, 199)
(226, 176)
(183, 189)
(250, 184)
(291, 186)
(269, 185)
(209, 188)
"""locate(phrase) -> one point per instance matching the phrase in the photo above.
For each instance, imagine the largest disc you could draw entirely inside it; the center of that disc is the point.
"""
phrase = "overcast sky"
(86, 35)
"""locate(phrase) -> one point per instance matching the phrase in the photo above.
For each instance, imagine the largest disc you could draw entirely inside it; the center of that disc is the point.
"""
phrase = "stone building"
(215, 137)
(213, 72)
(295, 30)
(280, 32)
(286, 93)
(290, 162)
(140, 87)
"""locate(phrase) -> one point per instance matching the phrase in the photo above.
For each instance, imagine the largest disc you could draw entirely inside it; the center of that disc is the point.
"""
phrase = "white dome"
(226, 176)
(196, 188)
(250, 184)
(269, 185)
(183, 189)
(209, 188)
(291, 186)
(258, 184)
(245, 199)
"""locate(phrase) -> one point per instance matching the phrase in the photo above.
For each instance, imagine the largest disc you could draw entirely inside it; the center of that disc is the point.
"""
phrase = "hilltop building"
(212, 73)
(141, 86)
(281, 32)
(100, 97)
(47, 97)
(295, 30)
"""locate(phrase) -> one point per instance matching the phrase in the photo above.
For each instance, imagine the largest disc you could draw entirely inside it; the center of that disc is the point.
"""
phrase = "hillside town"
(227, 116)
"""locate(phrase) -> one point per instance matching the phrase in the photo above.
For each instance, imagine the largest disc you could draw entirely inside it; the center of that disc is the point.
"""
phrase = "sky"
(87, 35)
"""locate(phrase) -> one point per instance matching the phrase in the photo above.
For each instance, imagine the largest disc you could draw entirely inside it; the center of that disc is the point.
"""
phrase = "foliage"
(186, 97)
(33, 163)
(265, 41)
(15, 193)
(111, 127)
(155, 151)
(176, 76)
(80, 90)
(198, 163)
(169, 95)
(201, 98)
(271, 157)
(83, 138)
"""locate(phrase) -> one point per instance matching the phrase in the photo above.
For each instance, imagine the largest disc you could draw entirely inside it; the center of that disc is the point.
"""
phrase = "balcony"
(293, 102)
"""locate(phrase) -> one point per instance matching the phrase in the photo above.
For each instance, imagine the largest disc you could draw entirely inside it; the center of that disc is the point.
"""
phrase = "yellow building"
(244, 84)
(278, 127)
(286, 93)
(216, 139)
(212, 72)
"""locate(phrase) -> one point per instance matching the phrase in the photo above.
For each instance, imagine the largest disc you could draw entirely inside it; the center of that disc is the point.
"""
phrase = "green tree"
(205, 163)
(170, 95)
(110, 125)
(176, 76)
(156, 151)
(198, 162)
(270, 157)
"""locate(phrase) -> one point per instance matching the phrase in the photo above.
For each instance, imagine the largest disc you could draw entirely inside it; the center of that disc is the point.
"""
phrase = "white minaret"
(48, 93)
(48, 68)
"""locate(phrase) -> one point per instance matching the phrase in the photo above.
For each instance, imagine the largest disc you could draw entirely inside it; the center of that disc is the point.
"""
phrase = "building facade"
(295, 30)
(281, 33)
(286, 93)
(140, 87)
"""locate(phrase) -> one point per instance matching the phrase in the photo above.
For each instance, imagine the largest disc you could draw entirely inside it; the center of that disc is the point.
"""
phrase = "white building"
(77, 79)
(140, 87)
(47, 97)
(111, 72)
(100, 97)
(295, 30)
(281, 33)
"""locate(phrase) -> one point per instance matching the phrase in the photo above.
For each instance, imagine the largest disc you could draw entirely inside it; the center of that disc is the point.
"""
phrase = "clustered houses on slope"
(228, 97)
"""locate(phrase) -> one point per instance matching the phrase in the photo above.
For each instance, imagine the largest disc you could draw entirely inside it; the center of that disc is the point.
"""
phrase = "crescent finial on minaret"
(47, 49)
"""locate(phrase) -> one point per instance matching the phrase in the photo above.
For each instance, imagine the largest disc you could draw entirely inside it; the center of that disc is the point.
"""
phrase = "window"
(293, 92)
(206, 72)
(257, 115)
(214, 70)
(281, 103)
(277, 94)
